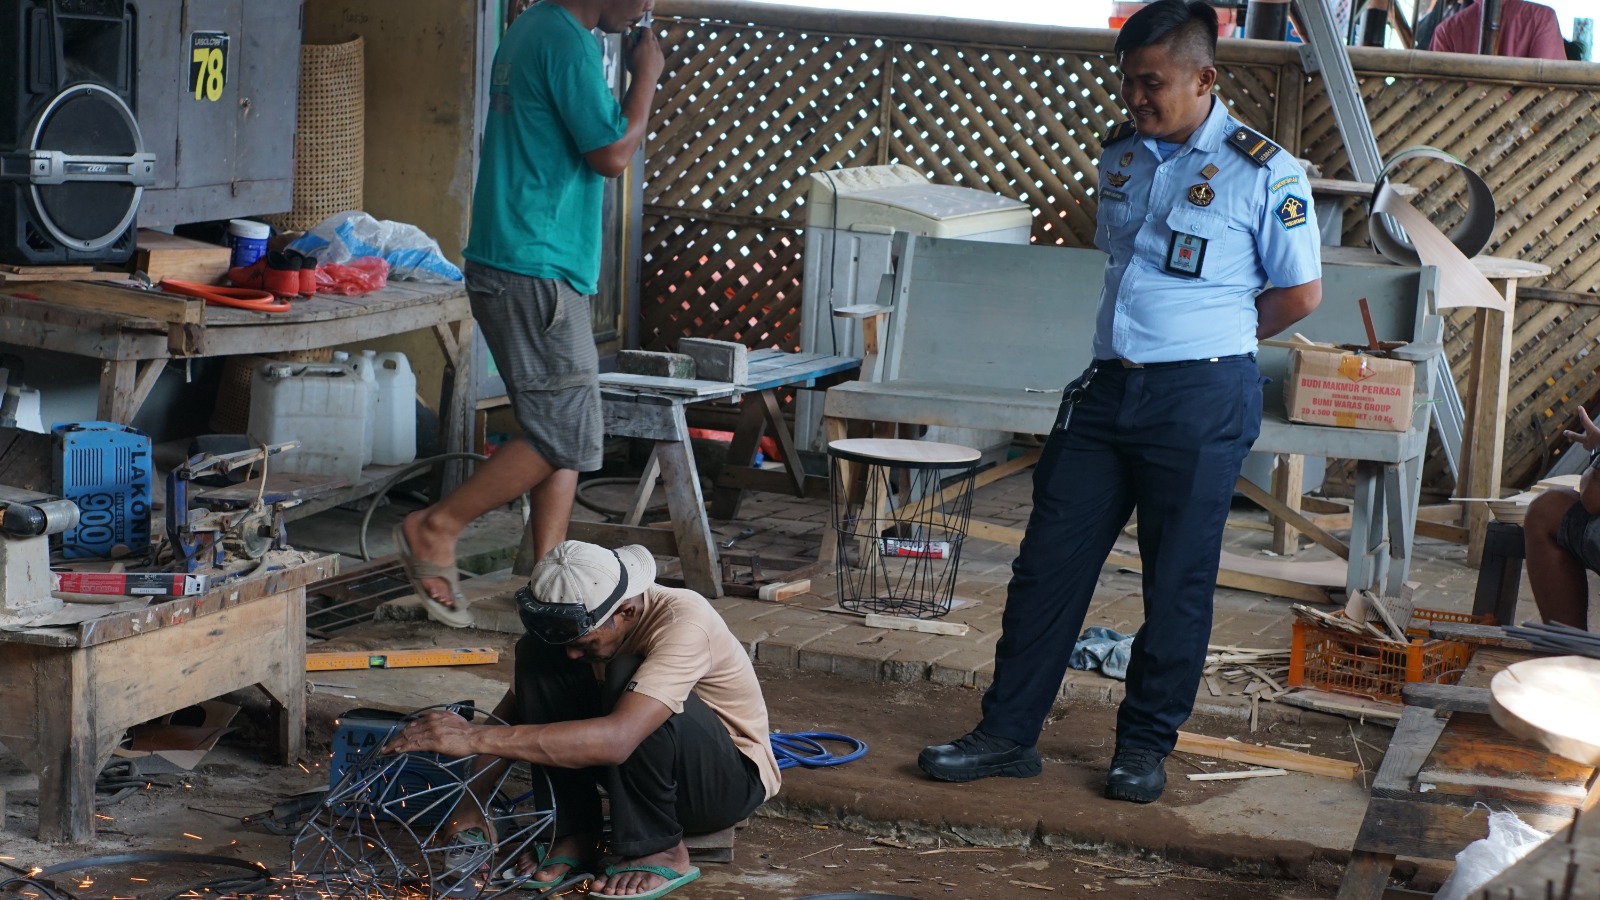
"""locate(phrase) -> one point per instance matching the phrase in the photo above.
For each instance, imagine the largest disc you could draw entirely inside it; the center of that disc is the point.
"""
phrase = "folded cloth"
(1103, 649)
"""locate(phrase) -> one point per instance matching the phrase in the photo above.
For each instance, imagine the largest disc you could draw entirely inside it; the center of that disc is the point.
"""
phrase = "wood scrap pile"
(1258, 674)
(1367, 615)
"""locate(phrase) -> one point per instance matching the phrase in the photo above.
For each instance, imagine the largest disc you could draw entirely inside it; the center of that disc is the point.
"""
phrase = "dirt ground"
(915, 852)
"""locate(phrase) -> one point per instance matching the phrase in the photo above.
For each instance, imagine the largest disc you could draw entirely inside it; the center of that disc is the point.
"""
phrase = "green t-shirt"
(536, 206)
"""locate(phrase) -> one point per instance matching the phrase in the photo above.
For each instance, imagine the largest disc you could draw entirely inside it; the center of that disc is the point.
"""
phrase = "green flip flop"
(528, 883)
(674, 881)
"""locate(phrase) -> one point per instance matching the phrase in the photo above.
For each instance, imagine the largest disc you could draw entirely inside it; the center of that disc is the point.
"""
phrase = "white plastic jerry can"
(394, 431)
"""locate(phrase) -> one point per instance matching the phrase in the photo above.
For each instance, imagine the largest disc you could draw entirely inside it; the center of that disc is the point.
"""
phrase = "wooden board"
(19, 281)
(1475, 758)
(164, 256)
(166, 308)
(1274, 757)
(691, 387)
(921, 626)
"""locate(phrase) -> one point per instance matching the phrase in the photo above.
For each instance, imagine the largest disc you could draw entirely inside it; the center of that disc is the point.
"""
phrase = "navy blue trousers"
(1167, 440)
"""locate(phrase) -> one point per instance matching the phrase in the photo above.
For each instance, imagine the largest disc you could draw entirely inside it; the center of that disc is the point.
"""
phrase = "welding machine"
(360, 733)
(106, 469)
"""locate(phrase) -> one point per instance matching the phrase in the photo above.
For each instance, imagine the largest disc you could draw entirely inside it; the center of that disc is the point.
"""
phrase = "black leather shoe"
(1136, 776)
(978, 755)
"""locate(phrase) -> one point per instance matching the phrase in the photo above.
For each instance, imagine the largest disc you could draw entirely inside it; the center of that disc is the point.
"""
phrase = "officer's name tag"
(1186, 254)
(1114, 194)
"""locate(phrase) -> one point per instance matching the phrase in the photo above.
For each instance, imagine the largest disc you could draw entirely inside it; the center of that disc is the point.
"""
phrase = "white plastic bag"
(410, 253)
(1509, 840)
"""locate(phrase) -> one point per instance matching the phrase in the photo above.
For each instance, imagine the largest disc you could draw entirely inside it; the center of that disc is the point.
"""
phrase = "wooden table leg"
(124, 386)
(1288, 484)
(287, 685)
(456, 403)
(696, 551)
(1485, 438)
(1367, 876)
(742, 452)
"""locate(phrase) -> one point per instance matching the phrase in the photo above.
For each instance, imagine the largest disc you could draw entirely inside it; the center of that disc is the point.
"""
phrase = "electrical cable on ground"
(804, 748)
(410, 471)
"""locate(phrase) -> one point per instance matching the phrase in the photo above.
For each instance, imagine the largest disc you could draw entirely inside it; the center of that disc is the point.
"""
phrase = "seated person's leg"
(686, 777)
(550, 687)
(1562, 542)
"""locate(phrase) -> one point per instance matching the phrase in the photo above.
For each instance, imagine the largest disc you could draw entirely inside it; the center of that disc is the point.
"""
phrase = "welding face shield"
(562, 623)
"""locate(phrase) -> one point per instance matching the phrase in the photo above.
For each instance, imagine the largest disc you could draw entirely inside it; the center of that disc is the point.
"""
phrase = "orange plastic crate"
(1331, 660)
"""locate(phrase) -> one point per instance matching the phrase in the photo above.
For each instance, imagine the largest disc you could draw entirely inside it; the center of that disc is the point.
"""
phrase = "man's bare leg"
(1560, 582)
(514, 469)
(550, 503)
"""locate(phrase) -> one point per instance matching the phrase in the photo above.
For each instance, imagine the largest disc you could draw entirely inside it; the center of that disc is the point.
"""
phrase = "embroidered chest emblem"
(1202, 195)
(1127, 160)
(1117, 179)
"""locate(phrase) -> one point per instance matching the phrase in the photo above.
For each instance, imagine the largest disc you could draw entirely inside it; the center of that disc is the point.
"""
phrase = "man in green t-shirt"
(553, 135)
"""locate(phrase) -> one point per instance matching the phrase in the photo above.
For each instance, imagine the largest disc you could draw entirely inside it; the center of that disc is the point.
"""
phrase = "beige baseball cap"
(580, 573)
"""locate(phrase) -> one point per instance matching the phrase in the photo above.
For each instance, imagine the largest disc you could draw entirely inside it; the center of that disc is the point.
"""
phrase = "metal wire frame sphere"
(380, 834)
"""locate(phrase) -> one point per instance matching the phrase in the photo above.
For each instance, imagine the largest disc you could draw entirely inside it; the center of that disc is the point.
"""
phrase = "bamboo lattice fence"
(757, 97)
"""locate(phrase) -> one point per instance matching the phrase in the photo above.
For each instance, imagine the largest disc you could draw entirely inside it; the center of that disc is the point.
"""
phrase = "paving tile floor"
(811, 633)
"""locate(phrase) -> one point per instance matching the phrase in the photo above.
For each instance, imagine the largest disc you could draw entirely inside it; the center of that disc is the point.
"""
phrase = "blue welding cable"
(804, 748)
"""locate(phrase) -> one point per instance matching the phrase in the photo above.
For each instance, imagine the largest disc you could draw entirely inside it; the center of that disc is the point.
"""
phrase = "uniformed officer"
(1213, 244)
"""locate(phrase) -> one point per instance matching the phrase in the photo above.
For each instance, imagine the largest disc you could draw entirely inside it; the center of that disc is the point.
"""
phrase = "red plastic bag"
(361, 275)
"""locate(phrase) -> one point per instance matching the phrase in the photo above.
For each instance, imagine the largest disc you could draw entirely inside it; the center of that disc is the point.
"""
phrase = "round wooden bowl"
(1552, 702)
(1509, 511)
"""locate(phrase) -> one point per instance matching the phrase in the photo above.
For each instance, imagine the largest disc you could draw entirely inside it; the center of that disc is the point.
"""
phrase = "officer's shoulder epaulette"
(1259, 149)
(1119, 132)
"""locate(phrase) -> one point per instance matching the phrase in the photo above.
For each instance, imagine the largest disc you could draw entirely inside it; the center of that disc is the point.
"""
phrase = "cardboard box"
(1331, 386)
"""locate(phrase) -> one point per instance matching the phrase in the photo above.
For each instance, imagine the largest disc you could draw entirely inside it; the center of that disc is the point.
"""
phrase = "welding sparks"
(195, 836)
(303, 768)
(107, 818)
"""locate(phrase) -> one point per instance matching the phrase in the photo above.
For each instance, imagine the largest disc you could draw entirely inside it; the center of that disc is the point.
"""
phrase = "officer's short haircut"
(1188, 26)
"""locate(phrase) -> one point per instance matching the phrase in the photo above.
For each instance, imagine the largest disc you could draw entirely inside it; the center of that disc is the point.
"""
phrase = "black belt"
(1130, 364)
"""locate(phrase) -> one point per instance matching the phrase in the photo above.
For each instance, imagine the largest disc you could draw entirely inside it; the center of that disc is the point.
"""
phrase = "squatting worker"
(1212, 245)
(554, 134)
(639, 688)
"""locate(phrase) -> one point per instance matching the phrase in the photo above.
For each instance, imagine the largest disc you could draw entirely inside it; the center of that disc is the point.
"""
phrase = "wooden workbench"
(136, 333)
(68, 693)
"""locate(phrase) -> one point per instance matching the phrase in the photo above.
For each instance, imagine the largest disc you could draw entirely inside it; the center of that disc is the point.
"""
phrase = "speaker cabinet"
(72, 160)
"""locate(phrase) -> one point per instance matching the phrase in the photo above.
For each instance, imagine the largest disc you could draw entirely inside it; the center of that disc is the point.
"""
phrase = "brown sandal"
(455, 616)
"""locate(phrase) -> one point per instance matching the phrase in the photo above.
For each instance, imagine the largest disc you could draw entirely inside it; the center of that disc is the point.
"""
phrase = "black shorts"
(1579, 534)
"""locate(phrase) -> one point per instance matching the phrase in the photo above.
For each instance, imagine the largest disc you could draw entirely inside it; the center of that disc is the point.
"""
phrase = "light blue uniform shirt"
(1208, 207)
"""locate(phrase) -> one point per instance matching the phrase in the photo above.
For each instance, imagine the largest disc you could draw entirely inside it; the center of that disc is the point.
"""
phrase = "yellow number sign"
(208, 64)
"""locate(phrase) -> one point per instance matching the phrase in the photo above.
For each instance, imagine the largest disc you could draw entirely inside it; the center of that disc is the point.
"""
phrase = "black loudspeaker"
(72, 160)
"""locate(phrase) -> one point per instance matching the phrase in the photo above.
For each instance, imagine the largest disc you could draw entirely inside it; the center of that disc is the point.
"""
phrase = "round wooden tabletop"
(894, 450)
(1551, 701)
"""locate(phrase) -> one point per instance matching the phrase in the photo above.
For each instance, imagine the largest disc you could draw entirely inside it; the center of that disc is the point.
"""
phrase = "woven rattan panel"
(1533, 145)
(330, 135)
(746, 112)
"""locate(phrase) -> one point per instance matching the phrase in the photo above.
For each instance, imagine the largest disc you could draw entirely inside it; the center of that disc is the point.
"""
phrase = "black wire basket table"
(900, 512)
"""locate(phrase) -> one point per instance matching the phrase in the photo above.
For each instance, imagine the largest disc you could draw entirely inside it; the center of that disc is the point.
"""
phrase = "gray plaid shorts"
(539, 333)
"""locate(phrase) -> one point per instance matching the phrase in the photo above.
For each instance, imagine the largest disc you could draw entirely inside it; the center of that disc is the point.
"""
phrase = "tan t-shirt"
(687, 647)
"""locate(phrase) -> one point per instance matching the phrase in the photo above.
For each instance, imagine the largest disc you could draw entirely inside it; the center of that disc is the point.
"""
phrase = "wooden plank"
(1283, 512)
(1433, 830)
(687, 506)
(657, 541)
(1447, 697)
(921, 626)
(629, 414)
(1413, 740)
(1276, 757)
(167, 308)
(1474, 745)
(1363, 709)
(1367, 876)
(25, 281)
(164, 256)
(1236, 776)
